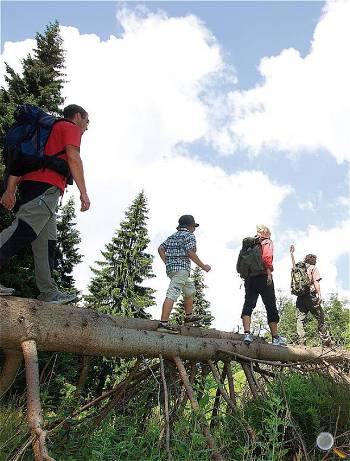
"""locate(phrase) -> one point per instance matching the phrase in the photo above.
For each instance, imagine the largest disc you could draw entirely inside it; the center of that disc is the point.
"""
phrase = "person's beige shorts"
(180, 282)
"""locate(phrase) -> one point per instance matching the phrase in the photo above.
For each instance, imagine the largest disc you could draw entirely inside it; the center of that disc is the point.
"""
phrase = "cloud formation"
(147, 101)
(303, 103)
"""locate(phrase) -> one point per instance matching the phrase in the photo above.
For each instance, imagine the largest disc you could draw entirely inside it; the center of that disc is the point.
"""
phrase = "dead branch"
(231, 385)
(166, 409)
(113, 403)
(84, 371)
(34, 411)
(13, 360)
(221, 387)
(250, 379)
(186, 382)
(215, 409)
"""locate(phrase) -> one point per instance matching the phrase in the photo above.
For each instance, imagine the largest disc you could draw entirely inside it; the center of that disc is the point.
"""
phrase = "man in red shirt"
(262, 284)
(39, 192)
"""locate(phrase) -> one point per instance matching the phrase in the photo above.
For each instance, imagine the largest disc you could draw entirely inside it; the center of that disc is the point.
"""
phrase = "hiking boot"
(248, 338)
(326, 339)
(164, 327)
(58, 298)
(4, 291)
(192, 319)
(279, 341)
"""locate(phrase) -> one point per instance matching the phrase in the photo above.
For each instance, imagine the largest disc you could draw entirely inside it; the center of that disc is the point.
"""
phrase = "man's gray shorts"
(180, 282)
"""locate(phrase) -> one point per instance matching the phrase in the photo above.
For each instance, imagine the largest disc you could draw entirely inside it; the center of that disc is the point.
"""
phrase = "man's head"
(77, 115)
(262, 231)
(188, 222)
(310, 259)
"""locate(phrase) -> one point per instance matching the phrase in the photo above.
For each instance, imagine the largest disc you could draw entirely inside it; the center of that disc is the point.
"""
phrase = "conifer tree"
(118, 284)
(67, 251)
(201, 306)
(41, 84)
(41, 81)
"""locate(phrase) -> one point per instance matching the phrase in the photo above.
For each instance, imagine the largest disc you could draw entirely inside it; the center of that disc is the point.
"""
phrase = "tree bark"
(34, 412)
(86, 332)
(166, 409)
(84, 371)
(231, 385)
(13, 360)
(250, 379)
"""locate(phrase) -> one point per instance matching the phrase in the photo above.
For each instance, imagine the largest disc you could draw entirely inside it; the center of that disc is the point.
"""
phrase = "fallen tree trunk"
(86, 332)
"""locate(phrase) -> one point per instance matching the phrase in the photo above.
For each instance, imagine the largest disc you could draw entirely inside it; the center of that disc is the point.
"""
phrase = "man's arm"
(292, 249)
(316, 277)
(161, 252)
(8, 199)
(77, 170)
(193, 256)
(317, 286)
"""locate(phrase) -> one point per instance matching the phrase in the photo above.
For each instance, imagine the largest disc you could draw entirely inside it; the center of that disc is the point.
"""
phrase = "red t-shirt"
(63, 134)
(267, 253)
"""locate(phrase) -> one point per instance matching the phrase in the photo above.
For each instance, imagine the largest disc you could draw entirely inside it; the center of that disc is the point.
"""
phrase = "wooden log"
(82, 331)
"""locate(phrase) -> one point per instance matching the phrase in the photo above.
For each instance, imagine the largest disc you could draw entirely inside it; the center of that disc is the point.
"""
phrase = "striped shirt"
(176, 248)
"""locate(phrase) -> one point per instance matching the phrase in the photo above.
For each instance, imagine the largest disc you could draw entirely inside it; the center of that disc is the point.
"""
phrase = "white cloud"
(303, 104)
(13, 53)
(143, 96)
(329, 245)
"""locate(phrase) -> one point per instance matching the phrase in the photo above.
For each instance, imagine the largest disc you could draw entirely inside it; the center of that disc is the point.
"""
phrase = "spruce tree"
(118, 284)
(67, 250)
(201, 306)
(41, 84)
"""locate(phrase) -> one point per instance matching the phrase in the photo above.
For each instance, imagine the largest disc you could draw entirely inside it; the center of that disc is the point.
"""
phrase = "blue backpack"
(25, 140)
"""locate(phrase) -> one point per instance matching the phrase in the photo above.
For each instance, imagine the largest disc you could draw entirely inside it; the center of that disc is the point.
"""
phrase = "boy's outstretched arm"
(193, 256)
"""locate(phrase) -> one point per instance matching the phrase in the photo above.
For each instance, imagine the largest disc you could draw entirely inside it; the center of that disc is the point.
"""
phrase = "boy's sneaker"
(279, 341)
(192, 318)
(248, 338)
(164, 327)
(4, 291)
(59, 298)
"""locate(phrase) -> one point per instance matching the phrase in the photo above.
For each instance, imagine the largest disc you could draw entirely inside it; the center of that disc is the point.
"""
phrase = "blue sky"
(312, 168)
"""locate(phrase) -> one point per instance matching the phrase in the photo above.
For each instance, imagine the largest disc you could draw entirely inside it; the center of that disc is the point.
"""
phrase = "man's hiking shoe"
(192, 319)
(326, 339)
(248, 338)
(166, 328)
(59, 298)
(279, 341)
(4, 291)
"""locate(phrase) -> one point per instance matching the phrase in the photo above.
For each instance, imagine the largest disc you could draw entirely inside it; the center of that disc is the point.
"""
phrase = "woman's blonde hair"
(263, 231)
